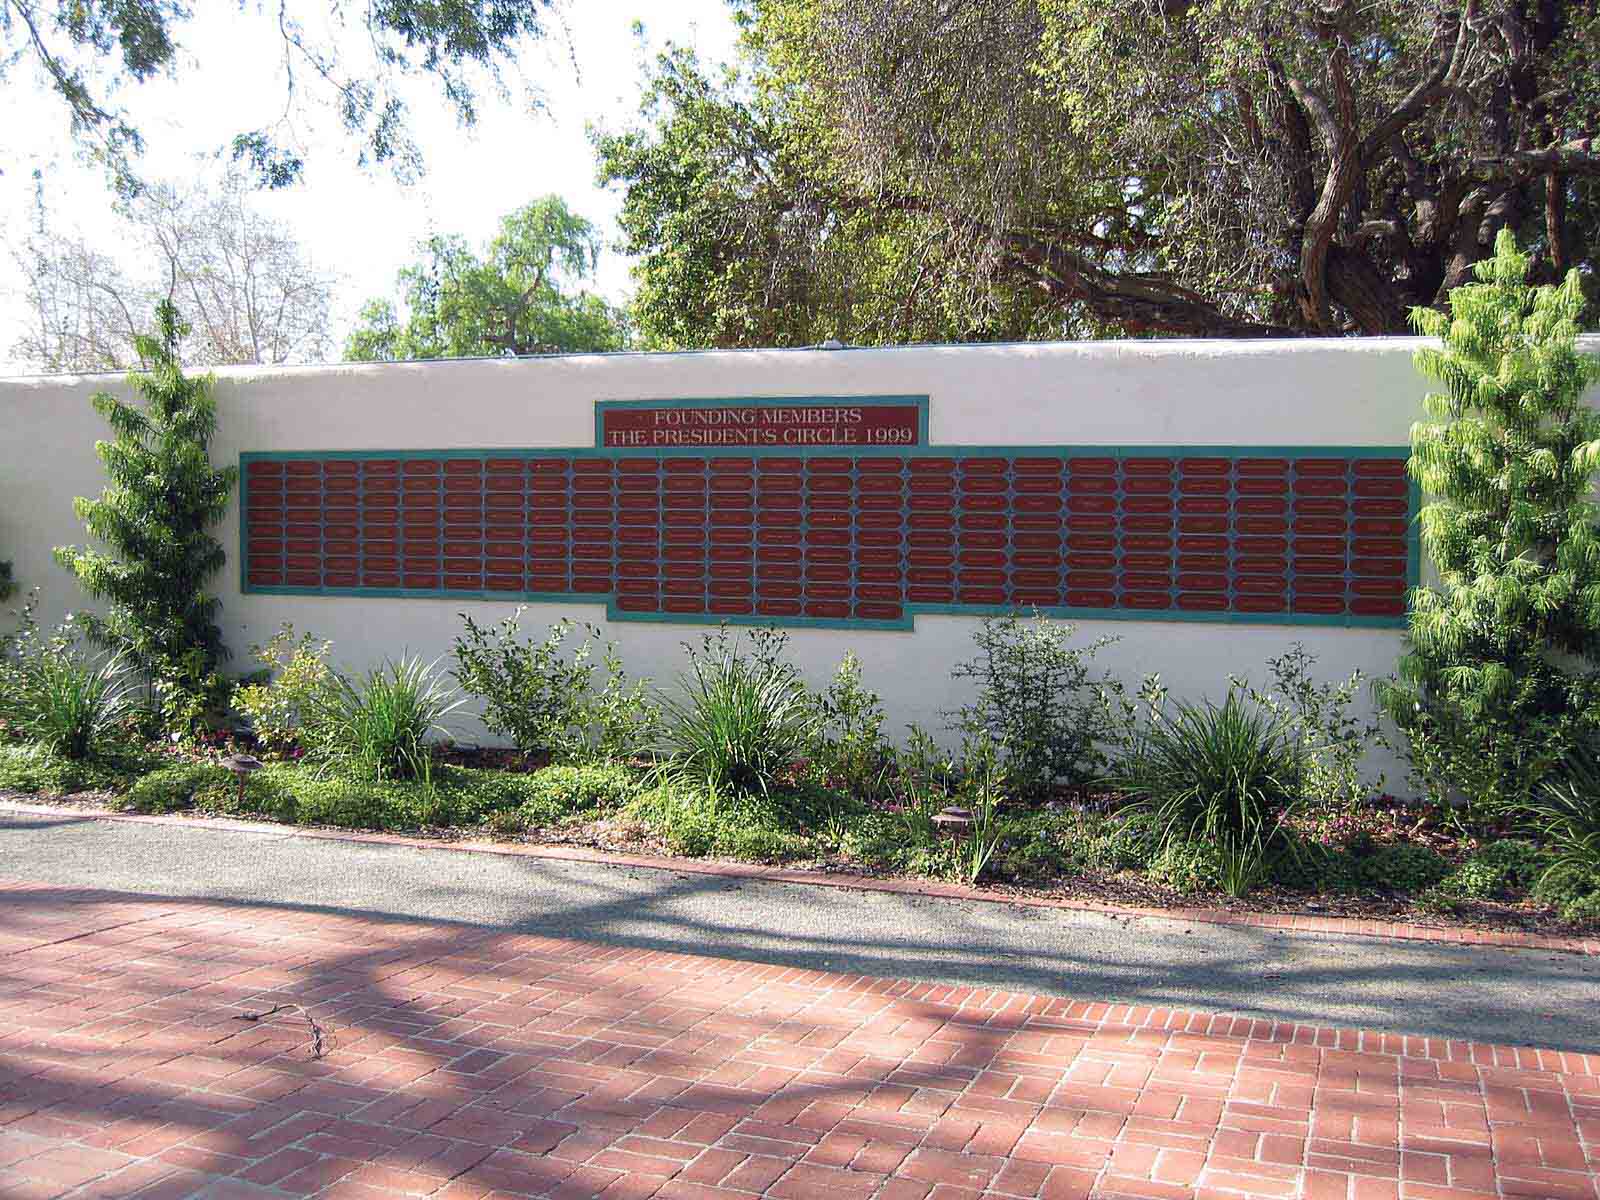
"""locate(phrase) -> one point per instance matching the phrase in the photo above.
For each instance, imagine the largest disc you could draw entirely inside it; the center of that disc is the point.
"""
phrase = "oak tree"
(896, 169)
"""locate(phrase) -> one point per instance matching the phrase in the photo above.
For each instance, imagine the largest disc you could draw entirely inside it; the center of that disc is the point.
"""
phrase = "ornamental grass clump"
(741, 719)
(1500, 680)
(1565, 813)
(58, 695)
(1222, 776)
(379, 726)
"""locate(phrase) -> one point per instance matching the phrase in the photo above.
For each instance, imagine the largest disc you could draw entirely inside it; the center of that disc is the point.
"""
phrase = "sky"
(358, 224)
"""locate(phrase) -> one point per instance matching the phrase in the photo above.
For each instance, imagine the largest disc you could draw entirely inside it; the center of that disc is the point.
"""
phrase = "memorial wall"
(1205, 503)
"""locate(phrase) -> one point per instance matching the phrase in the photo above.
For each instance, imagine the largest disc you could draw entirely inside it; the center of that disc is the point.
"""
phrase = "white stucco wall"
(1342, 393)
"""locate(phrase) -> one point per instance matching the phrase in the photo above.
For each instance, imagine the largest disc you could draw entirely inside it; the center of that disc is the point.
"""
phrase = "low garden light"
(243, 766)
(954, 821)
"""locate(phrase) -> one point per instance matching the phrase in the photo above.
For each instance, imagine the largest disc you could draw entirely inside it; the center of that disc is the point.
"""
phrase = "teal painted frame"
(920, 401)
(908, 621)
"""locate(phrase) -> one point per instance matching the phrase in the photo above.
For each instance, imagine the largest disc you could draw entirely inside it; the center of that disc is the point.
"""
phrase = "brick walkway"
(468, 1063)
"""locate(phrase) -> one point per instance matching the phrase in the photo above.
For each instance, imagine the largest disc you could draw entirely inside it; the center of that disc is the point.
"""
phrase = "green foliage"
(704, 820)
(296, 672)
(1041, 846)
(449, 797)
(890, 171)
(156, 516)
(1332, 744)
(1400, 867)
(850, 751)
(59, 695)
(8, 581)
(30, 767)
(1499, 679)
(511, 301)
(742, 720)
(1572, 888)
(91, 52)
(552, 794)
(173, 789)
(983, 790)
(1038, 701)
(1403, 867)
(1495, 871)
(1190, 867)
(378, 726)
(1565, 813)
(546, 701)
(1225, 776)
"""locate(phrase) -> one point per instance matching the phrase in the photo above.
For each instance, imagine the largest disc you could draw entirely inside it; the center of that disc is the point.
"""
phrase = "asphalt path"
(1521, 997)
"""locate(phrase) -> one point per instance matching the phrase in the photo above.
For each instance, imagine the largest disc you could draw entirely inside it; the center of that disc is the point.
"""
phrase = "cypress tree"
(1499, 678)
(155, 519)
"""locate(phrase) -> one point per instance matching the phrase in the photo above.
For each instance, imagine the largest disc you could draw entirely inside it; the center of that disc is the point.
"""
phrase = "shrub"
(1224, 775)
(1399, 867)
(1572, 889)
(1123, 843)
(1332, 743)
(156, 515)
(741, 720)
(1037, 698)
(60, 696)
(1497, 870)
(1499, 679)
(546, 701)
(378, 727)
(851, 751)
(1190, 867)
(1033, 850)
(172, 789)
(297, 673)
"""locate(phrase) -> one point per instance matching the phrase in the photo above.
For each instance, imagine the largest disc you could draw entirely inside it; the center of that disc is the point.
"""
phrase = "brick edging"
(1282, 922)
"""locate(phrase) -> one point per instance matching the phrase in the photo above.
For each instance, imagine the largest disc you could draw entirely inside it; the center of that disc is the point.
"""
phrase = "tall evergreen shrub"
(155, 519)
(1500, 678)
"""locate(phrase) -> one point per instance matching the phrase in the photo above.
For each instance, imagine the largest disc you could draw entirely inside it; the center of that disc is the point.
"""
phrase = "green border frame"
(602, 406)
(912, 611)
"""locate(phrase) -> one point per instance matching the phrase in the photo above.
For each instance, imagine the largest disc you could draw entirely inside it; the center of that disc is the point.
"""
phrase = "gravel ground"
(1521, 997)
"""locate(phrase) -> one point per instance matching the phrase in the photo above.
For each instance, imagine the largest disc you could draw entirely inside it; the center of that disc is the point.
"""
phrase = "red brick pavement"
(467, 1063)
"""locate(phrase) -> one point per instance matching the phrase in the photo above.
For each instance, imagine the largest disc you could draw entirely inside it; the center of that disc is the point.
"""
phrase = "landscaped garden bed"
(1053, 778)
(741, 761)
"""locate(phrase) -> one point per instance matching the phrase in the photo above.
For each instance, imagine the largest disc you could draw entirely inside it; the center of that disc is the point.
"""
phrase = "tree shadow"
(508, 1058)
